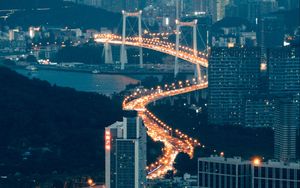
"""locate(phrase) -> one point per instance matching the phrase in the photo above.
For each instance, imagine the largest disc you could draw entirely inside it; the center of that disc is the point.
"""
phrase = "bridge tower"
(123, 55)
(192, 24)
(108, 59)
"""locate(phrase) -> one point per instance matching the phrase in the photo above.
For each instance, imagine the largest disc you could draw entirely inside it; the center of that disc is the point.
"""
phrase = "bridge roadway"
(184, 52)
(174, 140)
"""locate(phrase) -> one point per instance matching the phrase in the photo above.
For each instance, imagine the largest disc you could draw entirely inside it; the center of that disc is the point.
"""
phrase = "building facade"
(125, 153)
(233, 75)
(284, 71)
(220, 172)
(260, 111)
(273, 174)
(284, 74)
(216, 172)
(285, 129)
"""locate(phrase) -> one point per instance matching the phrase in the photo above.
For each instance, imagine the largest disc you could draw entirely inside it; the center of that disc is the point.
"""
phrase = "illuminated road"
(156, 44)
(174, 140)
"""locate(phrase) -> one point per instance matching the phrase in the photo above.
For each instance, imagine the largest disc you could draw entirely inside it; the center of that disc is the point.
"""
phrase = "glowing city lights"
(173, 139)
(256, 161)
(185, 53)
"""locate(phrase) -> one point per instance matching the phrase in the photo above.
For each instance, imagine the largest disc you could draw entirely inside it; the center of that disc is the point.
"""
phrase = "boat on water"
(31, 68)
(95, 71)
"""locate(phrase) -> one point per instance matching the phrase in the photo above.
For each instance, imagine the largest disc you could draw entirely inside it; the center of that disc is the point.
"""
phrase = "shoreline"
(89, 70)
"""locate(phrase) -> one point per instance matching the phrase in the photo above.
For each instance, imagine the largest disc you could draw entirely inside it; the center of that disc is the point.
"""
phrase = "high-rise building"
(221, 4)
(260, 111)
(270, 32)
(258, 8)
(232, 10)
(217, 9)
(251, 9)
(285, 129)
(233, 75)
(125, 153)
(219, 172)
(284, 73)
(195, 7)
(200, 6)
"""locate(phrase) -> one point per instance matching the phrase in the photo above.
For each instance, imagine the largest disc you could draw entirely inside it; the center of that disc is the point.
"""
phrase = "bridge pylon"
(192, 24)
(108, 59)
(123, 55)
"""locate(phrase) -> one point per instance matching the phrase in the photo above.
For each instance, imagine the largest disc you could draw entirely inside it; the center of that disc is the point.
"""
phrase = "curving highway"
(174, 140)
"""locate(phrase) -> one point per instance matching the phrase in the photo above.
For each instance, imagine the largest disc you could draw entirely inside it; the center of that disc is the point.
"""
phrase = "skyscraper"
(257, 9)
(260, 111)
(125, 153)
(285, 129)
(284, 71)
(270, 32)
(217, 9)
(284, 74)
(233, 75)
(200, 6)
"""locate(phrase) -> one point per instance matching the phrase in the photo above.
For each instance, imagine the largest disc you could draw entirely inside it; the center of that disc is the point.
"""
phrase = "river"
(106, 84)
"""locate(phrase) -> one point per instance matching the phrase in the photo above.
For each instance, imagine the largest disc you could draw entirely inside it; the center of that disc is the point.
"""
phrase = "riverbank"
(104, 69)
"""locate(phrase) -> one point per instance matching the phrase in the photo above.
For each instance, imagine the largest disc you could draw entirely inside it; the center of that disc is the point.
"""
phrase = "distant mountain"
(28, 4)
(36, 13)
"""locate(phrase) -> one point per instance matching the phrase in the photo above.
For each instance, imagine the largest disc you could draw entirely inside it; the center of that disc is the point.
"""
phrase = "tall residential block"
(234, 74)
(285, 129)
(125, 153)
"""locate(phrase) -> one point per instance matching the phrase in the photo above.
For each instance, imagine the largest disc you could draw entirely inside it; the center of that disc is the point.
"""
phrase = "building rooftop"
(115, 125)
(216, 158)
(281, 164)
(239, 160)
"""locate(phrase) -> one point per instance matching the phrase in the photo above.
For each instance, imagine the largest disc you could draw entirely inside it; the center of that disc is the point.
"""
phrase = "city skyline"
(151, 93)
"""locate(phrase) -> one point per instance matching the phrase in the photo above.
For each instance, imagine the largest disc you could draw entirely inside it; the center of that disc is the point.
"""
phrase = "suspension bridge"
(174, 140)
(191, 55)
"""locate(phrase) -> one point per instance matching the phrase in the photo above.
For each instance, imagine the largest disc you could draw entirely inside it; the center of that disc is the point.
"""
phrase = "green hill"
(45, 128)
